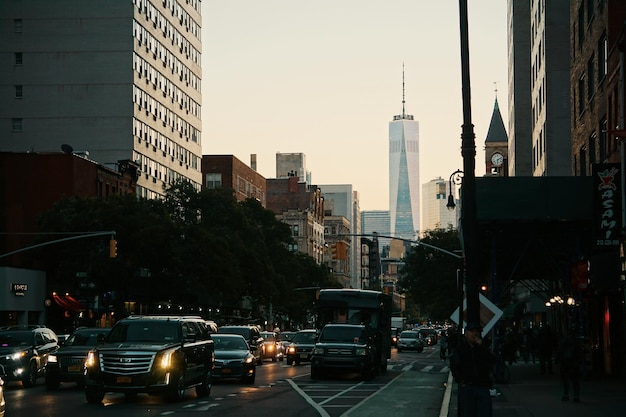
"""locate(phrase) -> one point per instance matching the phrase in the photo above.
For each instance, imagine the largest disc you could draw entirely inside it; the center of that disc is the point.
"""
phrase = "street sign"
(489, 314)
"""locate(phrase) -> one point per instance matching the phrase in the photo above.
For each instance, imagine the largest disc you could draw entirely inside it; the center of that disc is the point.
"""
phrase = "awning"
(514, 311)
(68, 303)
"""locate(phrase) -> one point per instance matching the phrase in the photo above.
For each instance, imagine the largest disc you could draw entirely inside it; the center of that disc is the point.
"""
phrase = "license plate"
(226, 371)
(123, 380)
(304, 355)
(73, 368)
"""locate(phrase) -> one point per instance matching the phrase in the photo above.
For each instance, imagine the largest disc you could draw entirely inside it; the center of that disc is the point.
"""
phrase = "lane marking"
(308, 399)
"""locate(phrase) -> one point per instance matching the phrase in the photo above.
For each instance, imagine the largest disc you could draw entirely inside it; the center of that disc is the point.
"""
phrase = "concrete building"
(377, 221)
(228, 171)
(112, 80)
(435, 214)
(343, 200)
(404, 179)
(292, 164)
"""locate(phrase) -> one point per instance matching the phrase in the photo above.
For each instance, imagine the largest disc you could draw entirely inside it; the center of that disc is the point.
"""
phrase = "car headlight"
(52, 359)
(18, 355)
(167, 359)
(92, 359)
(248, 359)
(318, 350)
(361, 351)
(291, 349)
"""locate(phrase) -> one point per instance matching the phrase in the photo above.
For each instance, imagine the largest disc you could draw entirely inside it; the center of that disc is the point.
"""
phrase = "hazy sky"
(324, 78)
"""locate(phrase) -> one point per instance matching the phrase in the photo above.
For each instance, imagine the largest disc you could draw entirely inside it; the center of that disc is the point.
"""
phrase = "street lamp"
(456, 177)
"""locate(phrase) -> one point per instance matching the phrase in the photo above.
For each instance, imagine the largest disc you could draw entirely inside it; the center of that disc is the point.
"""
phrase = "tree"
(429, 276)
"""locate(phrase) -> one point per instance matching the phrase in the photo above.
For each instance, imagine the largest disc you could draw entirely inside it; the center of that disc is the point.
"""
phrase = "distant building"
(435, 214)
(377, 221)
(229, 172)
(342, 200)
(114, 80)
(496, 145)
(301, 206)
(404, 176)
(292, 165)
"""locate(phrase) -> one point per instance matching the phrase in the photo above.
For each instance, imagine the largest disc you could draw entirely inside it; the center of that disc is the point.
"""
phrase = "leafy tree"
(429, 276)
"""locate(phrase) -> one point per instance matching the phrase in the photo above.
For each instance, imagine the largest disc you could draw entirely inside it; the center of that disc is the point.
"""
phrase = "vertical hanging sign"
(607, 205)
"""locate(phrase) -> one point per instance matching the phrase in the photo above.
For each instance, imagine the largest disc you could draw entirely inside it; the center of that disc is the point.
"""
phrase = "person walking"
(472, 366)
(545, 348)
(568, 357)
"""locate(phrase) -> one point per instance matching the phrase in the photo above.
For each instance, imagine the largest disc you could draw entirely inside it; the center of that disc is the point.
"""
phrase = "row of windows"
(159, 51)
(167, 87)
(151, 168)
(395, 146)
(152, 106)
(159, 20)
(150, 136)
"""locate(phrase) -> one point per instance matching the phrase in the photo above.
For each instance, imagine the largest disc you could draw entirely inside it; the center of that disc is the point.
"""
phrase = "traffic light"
(112, 248)
(333, 250)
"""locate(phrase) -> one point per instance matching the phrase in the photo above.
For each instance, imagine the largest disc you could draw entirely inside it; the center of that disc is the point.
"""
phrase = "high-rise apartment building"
(292, 165)
(111, 80)
(435, 214)
(404, 193)
(549, 68)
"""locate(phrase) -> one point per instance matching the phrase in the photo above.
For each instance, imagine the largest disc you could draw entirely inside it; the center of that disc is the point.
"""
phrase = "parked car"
(272, 348)
(233, 358)
(24, 352)
(67, 363)
(410, 340)
(151, 354)
(252, 334)
(301, 347)
(345, 348)
(2, 402)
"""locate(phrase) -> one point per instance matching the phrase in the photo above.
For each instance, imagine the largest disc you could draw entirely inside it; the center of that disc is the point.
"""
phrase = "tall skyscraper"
(113, 81)
(404, 193)
(377, 221)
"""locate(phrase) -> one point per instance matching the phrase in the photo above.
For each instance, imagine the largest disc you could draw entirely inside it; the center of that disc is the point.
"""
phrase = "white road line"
(308, 399)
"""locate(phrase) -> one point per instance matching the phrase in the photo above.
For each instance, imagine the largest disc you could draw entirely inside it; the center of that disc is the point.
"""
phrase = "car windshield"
(347, 334)
(16, 339)
(144, 331)
(244, 331)
(409, 335)
(304, 337)
(84, 338)
(229, 343)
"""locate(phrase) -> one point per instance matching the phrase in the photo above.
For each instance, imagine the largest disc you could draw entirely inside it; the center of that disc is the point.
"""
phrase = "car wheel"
(250, 378)
(289, 361)
(273, 358)
(297, 362)
(52, 382)
(383, 366)
(30, 378)
(204, 389)
(94, 395)
(176, 391)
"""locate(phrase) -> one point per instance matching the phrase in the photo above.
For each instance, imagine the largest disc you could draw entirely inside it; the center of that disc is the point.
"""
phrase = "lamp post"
(468, 152)
(456, 177)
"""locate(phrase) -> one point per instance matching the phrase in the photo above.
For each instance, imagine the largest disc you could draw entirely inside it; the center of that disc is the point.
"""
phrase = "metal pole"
(468, 197)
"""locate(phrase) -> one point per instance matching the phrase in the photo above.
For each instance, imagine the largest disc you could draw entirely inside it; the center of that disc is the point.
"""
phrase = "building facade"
(496, 145)
(228, 171)
(404, 191)
(377, 221)
(292, 165)
(111, 80)
(435, 214)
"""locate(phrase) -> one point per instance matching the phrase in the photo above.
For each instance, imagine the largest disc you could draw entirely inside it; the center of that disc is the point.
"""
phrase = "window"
(583, 161)
(602, 57)
(592, 148)
(296, 230)
(581, 26)
(591, 88)
(581, 94)
(213, 180)
(18, 58)
(19, 91)
(16, 125)
(17, 25)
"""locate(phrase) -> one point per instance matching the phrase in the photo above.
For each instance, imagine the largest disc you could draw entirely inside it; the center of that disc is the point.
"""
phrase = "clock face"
(497, 159)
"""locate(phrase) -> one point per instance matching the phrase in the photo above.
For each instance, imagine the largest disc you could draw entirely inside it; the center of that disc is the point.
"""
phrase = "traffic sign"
(489, 314)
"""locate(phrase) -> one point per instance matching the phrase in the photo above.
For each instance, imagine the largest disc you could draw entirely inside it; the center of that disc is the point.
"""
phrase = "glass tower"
(404, 197)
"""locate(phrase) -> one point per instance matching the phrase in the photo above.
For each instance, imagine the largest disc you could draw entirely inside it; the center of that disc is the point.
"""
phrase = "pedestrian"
(568, 357)
(472, 366)
(443, 345)
(545, 348)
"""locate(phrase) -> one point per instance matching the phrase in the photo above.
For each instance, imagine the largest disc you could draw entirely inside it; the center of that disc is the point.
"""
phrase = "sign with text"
(607, 207)
(19, 289)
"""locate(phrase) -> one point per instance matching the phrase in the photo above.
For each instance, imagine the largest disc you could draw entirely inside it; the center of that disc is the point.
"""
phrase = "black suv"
(252, 334)
(344, 348)
(67, 363)
(154, 355)
(24, 352)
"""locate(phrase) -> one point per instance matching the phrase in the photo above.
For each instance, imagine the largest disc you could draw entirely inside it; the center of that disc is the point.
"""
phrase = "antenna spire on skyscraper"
(403, 112)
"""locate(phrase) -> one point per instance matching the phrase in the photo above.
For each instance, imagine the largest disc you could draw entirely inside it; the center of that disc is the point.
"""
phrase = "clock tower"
(496, 146)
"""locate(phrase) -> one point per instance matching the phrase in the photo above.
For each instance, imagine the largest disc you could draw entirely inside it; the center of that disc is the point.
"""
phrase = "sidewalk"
(530, 394)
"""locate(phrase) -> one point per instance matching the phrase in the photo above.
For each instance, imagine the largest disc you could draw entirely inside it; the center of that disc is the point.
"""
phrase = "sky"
(324, 78)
